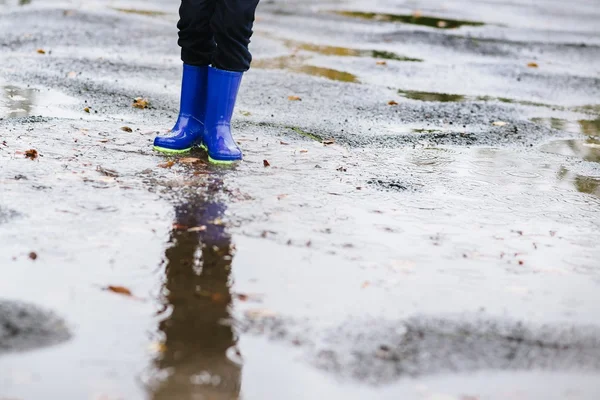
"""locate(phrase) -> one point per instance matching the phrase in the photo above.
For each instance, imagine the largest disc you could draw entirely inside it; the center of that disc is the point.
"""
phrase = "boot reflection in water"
(214, 36)
(197, 292)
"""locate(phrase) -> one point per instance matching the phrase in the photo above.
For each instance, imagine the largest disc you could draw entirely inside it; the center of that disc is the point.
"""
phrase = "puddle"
(197, 350)
(347, 52)
(432, 22)
(295, 64)
(587, 184)
(586, 125)
(147, 13)
(585, 149)
(430, 96)
(25, 102)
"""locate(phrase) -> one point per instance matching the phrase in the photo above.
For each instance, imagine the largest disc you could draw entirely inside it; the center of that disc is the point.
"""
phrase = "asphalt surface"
(427, 227)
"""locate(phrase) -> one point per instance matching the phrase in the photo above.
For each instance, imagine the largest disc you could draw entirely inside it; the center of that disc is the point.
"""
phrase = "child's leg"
(197, 49)
(232, 26)
(196, 37)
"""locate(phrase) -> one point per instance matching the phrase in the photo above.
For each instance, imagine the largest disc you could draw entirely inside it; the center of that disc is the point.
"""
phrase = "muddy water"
(363, 263)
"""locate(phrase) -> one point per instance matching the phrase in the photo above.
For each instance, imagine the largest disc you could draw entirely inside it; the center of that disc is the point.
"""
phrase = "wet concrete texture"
(427, 227)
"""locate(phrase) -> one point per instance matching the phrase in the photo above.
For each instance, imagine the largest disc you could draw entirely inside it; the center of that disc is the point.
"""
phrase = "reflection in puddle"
(18, 102)
(199, 358)
(586, 149)
(433, 22)
(295, 64)
(347, 52)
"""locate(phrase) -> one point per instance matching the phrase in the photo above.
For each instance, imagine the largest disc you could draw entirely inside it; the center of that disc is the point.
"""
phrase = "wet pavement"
(427, 227)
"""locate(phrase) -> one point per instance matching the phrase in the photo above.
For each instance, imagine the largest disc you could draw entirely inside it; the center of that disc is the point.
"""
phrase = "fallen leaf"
(189, 160)
(140, 102)
(328, 141)
(72, 74)
(41, 51)
(87, 110)
(303, 151)
(201, 228)
(500, 123)
(392, 103)
(168, 164)
(294, 98)
(33, 255)
(284, 143)
(533, 65)
(32, 154)
(119, 290)
(442, 24)
(126, 129)
(266, 163)
(381, 63)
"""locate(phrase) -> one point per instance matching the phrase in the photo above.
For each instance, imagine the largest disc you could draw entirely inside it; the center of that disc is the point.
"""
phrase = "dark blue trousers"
(216, 32)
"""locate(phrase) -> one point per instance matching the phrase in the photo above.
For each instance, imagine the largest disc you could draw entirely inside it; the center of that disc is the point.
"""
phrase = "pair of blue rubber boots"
(208, 98)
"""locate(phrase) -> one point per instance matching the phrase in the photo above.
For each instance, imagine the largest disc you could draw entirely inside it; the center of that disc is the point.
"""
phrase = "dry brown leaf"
(381, 63)
(266, 163)
(533, 65)
(284, 143)
(168, 164)
(249, 297)
(41, 51)
(189, 160)
(32, 154)
(392, 103)
(294, 98)
(140, 102)
(499, 123)
(303, 151)
(328, 141)
(87, 110)
(126, 129)
(119, 290)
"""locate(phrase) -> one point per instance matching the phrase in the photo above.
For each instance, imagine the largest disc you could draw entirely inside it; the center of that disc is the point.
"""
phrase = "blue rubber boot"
(223, 88)
(190, 125)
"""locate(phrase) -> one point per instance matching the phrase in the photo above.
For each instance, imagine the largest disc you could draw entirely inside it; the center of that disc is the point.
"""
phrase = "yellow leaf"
(294, 98)
(533, 65)
(41, 51)
(140, 103)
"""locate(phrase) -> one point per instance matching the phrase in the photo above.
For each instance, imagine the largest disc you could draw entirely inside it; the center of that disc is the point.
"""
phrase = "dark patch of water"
(296, 64)
(432, 22)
